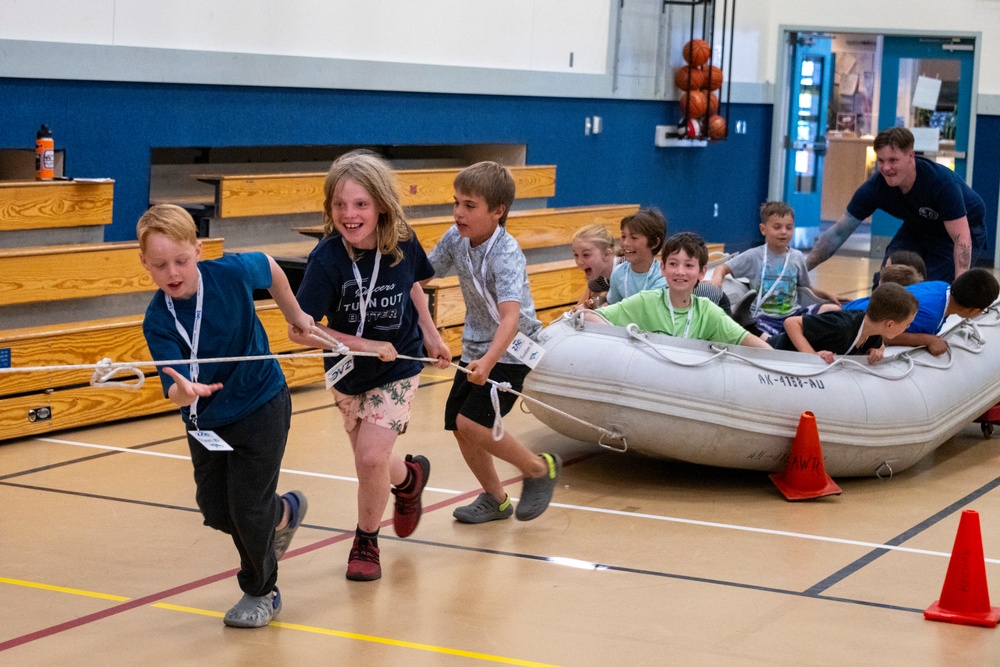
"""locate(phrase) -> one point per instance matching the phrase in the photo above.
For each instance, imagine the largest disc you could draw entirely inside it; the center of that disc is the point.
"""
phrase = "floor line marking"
(375, 639)
(582, 508)
(287, 471)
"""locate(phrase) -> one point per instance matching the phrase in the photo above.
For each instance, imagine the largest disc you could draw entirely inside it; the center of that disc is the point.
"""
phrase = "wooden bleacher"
(282, 194)
(48, 279)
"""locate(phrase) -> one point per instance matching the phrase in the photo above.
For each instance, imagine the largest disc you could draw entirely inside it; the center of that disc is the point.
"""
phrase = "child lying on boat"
(971, 293)
(674, 310)
(889, 311)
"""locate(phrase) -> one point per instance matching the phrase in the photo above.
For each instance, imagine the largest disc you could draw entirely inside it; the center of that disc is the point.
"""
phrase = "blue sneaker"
(282, 538)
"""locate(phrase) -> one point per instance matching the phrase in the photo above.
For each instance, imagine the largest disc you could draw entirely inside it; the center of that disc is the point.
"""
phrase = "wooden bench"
(533, 228)
(67, 396)
(53, 273)
(280, 194)
(56, 275)
(555, 287)
(53, 204)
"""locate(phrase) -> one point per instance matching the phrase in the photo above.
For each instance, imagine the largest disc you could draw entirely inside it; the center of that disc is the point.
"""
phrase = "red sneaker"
(406, 514)
(363, 563)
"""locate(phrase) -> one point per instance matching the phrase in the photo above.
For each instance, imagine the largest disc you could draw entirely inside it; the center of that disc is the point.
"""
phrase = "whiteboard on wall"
(569, 36)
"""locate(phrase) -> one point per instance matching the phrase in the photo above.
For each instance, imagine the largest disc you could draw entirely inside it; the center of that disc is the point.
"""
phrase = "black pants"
(236, 491)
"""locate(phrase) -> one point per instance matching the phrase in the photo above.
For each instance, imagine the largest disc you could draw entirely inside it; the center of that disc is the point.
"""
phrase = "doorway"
(829, 108)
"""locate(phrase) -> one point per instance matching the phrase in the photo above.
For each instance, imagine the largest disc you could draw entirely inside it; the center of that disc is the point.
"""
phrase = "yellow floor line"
(290, 626)
(63, 589)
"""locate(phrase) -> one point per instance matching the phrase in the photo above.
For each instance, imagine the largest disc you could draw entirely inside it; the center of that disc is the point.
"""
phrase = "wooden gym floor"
(104, 560)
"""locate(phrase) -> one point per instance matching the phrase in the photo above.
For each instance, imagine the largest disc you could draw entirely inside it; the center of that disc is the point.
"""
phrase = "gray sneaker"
(254, 611)
(536, 492)
(282, 538)
(484, 508)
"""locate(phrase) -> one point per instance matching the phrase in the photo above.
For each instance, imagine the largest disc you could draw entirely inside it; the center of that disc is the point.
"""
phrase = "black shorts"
(473, 401)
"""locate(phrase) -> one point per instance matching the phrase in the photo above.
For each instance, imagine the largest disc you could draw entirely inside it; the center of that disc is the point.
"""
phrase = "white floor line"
(579, 508)
(287, 471)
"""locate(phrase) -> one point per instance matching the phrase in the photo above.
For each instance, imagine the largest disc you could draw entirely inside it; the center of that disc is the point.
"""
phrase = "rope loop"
(105, 371)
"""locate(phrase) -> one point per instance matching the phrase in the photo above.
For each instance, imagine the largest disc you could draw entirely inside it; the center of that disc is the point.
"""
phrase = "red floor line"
(183, 588)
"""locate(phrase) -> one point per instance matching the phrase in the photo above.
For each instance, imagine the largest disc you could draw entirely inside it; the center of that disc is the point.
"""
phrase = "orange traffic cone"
(805, 476)
(965, 598)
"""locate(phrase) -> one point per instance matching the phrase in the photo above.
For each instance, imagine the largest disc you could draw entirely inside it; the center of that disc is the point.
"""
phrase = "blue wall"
(986, 175)
(108, 129)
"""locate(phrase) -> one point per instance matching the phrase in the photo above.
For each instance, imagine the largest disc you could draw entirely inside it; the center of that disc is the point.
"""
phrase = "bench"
(281, 194)
(31, 210)
(555, 287)
(53, 277)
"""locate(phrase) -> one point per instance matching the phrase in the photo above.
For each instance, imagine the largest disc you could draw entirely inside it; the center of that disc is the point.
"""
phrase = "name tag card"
(339, 370)
(527, 351)
(211, 441)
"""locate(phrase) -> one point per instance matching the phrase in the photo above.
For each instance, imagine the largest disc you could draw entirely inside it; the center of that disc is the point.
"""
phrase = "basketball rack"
(714, 22)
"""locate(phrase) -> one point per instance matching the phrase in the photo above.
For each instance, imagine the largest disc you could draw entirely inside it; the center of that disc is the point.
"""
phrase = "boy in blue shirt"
(971, 293)
(237, 413)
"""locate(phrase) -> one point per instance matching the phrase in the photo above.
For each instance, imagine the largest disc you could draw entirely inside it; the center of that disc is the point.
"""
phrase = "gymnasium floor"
(104, 560)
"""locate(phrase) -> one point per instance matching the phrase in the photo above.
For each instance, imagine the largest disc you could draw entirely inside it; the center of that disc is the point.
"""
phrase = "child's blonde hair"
(167, 219)
(650, 223)
(490, 180)
(775, 208)
(597, 235)
(901, 274)
(377, 178)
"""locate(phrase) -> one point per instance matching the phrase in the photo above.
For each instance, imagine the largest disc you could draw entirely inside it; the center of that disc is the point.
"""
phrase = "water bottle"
(45, 155)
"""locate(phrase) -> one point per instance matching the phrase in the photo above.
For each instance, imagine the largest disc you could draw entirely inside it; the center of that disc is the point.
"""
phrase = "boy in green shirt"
(674, 310)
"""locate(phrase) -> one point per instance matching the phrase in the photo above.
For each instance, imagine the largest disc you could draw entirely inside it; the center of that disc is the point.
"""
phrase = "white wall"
(534, 35)
(758, 21)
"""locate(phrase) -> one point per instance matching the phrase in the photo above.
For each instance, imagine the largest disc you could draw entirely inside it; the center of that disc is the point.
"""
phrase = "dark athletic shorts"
(473, 400)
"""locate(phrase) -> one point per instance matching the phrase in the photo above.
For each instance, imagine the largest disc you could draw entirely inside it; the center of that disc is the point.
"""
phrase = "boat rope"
(107, 373)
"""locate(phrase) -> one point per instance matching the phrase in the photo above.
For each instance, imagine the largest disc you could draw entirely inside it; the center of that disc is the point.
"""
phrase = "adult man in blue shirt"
(942, 216)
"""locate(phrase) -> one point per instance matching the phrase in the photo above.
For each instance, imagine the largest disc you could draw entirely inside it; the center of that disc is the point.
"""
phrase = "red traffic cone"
(805, 476)
(965, 597)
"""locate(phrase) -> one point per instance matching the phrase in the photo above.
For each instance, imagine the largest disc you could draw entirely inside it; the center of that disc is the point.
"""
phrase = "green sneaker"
(536, 492)
(484, 508)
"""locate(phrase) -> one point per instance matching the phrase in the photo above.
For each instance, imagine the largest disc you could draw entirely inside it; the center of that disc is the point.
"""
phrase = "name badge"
(527, 351)
(211, 441)
(339, 370)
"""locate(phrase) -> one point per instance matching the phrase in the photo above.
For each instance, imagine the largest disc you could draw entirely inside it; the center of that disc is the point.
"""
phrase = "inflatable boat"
(738, 407)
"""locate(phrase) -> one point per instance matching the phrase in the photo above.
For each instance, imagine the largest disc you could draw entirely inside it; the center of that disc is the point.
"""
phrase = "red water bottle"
(45, 155)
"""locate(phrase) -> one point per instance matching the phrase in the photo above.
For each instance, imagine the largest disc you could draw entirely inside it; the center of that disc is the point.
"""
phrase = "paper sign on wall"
(926, 93)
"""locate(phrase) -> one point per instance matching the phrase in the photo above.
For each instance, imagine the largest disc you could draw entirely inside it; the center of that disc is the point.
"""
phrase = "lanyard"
(491, 304)
(192, 341)
(365, 299)
(645, 281)
(759, 302)
(670, 306)
(857, 339)
(944, 313)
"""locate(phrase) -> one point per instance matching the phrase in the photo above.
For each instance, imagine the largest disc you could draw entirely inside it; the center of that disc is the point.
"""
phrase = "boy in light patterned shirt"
(493, 277)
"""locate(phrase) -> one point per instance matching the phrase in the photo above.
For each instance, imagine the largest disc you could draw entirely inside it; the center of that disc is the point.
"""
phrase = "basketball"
(693, 104)
(713, 103)
(711, 78)
(689, 78)
(716, 127)
(696, 52)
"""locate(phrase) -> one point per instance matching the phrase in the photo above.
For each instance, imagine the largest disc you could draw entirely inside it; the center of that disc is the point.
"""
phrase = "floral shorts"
(388, 405)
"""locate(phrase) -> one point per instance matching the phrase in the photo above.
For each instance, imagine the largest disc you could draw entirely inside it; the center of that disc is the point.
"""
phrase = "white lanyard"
(192, 341)
(490, 302)
(763, 271)
(645, 282)
(944, 313)
(365, 299)
(857, 339)
(670, 306)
